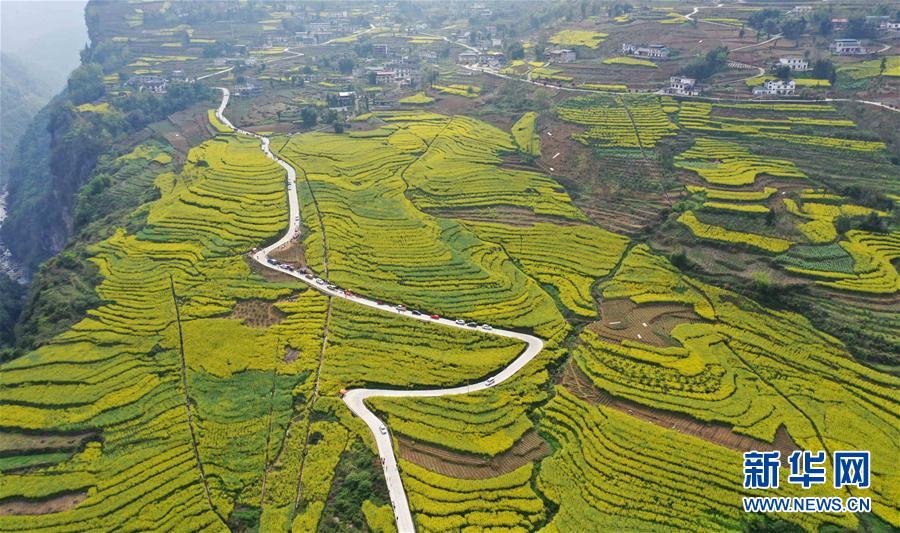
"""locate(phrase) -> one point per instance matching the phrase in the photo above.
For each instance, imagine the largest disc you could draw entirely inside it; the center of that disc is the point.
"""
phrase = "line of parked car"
(400, 308)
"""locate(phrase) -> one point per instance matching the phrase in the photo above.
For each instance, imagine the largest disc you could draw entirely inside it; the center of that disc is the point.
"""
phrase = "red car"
(435, 316)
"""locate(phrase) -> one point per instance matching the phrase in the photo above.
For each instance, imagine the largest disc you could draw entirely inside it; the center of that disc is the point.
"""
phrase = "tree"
(702, 68)
(308, 117)
(86, 83)
(515, 50)
(371, 78)
(783, 72)
(539, 50)
(823, 69)
(882, 66)
(858, 28)
(346, 64)
(794, 28)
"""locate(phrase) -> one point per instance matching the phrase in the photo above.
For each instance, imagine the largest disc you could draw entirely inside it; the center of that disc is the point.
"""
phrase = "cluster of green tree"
(21, 97)
(11, 294)
(822, 69)
(704, 67)
(774, 21)
(357, 478)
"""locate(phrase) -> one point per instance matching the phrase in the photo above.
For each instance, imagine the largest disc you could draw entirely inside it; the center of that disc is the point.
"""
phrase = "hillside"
(416, 267)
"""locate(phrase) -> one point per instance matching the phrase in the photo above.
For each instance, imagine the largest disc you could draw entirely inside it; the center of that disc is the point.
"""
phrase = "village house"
(655, 51)
(342, 101)
(847, 47)
(249, 88)
(795, 63)
(839, 24)
(682, 86)
(562, 56)
(889, 25)
(776, 88)
(384, 77)
(149, 83)
(469, 57)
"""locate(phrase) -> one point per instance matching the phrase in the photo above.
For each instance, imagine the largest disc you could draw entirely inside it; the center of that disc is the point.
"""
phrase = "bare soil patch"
(41, 442)
(55, 504)
(292, 253)
(529, 448)
(267, 273)
(257, 313)
(290, 354)
(574, 380)
(650, 323)
(511, 215)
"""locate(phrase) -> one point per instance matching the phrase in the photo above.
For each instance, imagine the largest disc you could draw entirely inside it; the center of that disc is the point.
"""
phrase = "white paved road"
(355, 398)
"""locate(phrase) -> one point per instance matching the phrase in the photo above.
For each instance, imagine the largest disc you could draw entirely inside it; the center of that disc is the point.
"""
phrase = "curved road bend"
(355, 398)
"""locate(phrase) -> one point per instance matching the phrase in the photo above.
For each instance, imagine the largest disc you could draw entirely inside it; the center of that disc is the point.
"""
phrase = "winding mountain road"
(355, 399)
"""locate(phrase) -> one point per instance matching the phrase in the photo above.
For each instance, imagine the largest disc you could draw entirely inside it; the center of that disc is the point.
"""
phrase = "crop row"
(718, 233)
(569, 258)
(614, 472)
(440, 503)
(728, 163)
(763, 361)
(615, 121)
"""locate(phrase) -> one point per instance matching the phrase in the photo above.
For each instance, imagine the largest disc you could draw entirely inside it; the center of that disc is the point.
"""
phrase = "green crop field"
(525, 135)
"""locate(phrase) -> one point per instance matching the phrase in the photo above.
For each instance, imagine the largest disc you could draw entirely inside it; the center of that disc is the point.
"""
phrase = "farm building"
(658, 51)
(795, 63)
(149, 82)
(682, 86)
(383, 77)
(775, 88)
(469, 57)
(562, 56)
(847, 47)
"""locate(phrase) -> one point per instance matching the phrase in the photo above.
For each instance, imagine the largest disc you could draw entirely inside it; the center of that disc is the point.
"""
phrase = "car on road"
(490, 382)
(460, 322)
(472, 324)
(320, 281)
(486, 327)
(383, 430)
(309, 276)
(332, 287)
(436, 317)
(401, 308)
(416, 313)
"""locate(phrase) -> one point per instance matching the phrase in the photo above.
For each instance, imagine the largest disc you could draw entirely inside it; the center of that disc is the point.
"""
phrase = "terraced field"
(745, 365)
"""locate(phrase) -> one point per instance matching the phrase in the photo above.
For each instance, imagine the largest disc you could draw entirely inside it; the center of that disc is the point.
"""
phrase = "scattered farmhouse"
(847, 47)
(839, 24)
(148, 82)
(795, 63)
(775, 88)
(682, 86)
(469, 57)
(562, 56)
(654, 51)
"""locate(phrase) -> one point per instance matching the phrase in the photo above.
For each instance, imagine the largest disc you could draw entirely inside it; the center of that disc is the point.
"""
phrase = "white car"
(486, 327)
(383, 430)
(320, 281)
(460, 322)
(490, 382)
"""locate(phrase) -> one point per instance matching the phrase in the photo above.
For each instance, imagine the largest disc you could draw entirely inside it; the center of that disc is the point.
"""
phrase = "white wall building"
(795, 63)
(776, 88)
(682, 86)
